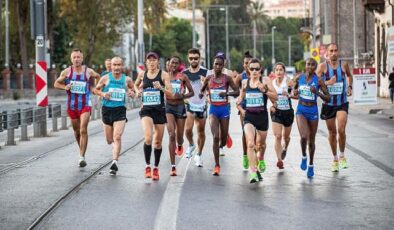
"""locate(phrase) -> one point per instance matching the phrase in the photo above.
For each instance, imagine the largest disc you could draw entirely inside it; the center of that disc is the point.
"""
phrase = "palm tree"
(259, 22)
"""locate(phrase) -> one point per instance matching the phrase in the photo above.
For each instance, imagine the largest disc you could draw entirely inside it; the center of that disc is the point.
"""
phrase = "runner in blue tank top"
(307, 87)
(238, 81)
(113, 88)
(338, 78)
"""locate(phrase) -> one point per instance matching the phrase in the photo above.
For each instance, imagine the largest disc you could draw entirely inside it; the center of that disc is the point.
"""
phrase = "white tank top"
(283, 102)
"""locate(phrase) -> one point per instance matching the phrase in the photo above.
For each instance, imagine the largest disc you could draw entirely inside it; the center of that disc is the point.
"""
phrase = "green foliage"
(300, 65)
(175, 38)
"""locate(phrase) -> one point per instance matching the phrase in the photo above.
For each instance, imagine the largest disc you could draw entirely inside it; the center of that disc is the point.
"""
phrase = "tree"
(259, 20)
(22, 14)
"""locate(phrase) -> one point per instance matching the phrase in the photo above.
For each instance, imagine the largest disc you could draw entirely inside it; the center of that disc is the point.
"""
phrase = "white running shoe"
(221, 152)
(190, 150)
(82, 162)
(198, 160)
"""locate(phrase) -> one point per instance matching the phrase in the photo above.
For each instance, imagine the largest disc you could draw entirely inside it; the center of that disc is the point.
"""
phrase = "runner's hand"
(272, 109)
(349, 91)
(67, 87)
(222, 94)
(106, 95)
(130, 93)
(332, 80)
(156, 85)
(313, 89)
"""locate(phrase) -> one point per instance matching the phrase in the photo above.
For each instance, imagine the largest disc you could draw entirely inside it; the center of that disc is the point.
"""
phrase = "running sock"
(342, 154)
(179, 147)
(253, 169)
(336, 158)
(114, 161)
(157, 153)
(173, 166)
(147, 153)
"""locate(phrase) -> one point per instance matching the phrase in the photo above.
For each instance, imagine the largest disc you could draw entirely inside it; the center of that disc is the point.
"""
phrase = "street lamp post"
(273, 45)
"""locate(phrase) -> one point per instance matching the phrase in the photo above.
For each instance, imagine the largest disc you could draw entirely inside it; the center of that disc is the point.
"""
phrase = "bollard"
(64, 120)
(10, 137)
(26, 118)
(56, 112)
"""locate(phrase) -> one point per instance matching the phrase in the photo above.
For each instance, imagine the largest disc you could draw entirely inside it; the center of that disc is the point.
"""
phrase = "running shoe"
(155, 175)
(198, 160)
(229, 141)
(253, 177)
(334, 166)
(113, 169)
(216, 170)
(148, 172)
(82, 162)
(343, 163)
(173, 171)
(303, 163)
(179, 150)
(259, 176)
(261, 166)
(245, 162)
(310, 172)
(190, 150)
(279, 164)
(221, 152)
(284, 152)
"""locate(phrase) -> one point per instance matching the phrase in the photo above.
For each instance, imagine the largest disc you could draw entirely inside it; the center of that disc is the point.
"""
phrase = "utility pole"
(7, 36)
(208, 44)
(227, 41)
(254, 38)
(314, 23)
(289, 50)
(273, 45)
(194, 23)
(355, 45)
(141, 46)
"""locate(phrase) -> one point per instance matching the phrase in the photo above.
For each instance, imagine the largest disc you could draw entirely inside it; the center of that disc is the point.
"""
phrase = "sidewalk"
(384, 107)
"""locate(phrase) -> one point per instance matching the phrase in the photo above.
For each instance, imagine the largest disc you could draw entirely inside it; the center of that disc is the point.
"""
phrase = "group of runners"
(178, 99)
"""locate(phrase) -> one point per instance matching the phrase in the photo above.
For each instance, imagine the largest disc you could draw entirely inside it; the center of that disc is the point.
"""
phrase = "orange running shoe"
(173, 171)
(155, 175)
(148, 172)
(179, 150)
(229, 141)
(216, 170)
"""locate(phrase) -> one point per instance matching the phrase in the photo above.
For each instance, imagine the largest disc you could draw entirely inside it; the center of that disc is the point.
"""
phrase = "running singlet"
(304, 88)
(255, 100)
(217, 86)
(117, 90)
(177, 84)
(195, 103)
(78, 96)
(151, 97)
(337, 91)
(283, 102)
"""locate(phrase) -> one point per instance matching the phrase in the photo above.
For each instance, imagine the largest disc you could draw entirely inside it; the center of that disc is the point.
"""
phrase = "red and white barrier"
(41, 84)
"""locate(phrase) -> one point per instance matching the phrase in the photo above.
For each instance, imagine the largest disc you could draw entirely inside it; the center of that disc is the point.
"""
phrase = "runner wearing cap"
(155, 83)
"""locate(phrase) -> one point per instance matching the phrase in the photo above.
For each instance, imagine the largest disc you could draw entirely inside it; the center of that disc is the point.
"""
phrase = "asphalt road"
(360, 197)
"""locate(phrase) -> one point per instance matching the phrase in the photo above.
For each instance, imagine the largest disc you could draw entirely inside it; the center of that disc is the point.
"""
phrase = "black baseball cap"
(220, 55)
(152, 54)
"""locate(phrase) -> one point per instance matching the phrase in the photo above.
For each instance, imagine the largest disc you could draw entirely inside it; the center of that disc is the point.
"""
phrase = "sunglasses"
(254, 69)
(193, 58)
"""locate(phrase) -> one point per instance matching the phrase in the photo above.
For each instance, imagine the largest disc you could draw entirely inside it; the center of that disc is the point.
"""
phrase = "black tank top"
(151, 97)
(255, 100)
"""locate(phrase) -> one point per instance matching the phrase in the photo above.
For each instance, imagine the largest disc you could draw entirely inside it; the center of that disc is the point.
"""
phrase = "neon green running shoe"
(245, 162)
(261, 166)
(335, 166)
(253, 178)
(343, 163)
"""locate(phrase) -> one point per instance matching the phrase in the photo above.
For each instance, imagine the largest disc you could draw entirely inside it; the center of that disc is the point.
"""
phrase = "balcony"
(372, 5)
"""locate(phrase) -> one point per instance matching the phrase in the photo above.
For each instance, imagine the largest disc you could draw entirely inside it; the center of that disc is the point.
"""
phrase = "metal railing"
(37, 116)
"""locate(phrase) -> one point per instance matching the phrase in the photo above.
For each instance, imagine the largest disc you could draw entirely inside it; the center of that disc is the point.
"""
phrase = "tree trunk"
(91, 41)
(22, 38)
(51, 22)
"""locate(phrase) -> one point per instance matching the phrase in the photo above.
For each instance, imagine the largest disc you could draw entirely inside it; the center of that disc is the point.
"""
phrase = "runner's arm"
(325, 95)
(167, 84)
(99, 87)
(235, 88)
(270, 90)
(189, 87)
(138, 82)
(241, 98)
(349, 78)
(60, 81)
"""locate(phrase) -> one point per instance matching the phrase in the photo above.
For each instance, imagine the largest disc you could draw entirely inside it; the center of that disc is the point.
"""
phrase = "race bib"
(196, 107)
(335, 89)
(176, 87)
(117, 94)
(151, 97)
(306, 93)
(78, 87)
(283, 102)
(254, 99)
(215, 95)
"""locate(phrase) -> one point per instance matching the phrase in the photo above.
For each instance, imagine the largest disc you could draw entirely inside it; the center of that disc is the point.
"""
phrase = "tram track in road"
(93, 132)
(74, 189)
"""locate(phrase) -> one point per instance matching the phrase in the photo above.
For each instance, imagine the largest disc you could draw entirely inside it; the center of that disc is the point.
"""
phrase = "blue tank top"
(338, 94)
(244, 77)
(304, 91)
(117, 90)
